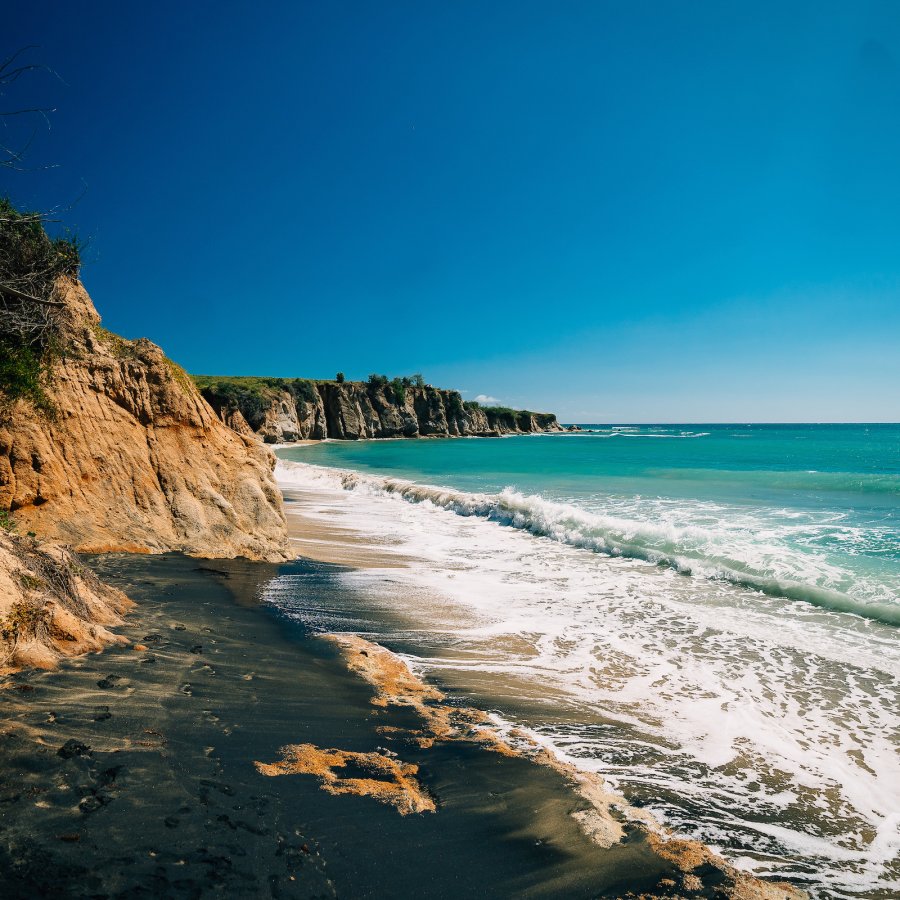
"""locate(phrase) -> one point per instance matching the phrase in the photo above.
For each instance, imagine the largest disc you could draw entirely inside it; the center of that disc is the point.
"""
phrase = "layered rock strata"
(349, 411)
(131, 457)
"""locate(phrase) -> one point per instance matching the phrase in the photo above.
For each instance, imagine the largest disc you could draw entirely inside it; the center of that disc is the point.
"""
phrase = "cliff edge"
(129, 457)
(281, 410)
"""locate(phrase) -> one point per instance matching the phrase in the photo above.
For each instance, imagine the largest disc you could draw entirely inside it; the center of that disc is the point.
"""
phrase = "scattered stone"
(72, 838)
(102, 713)
(140, 647)
(93, 803)
(197, 648)
(72, 748)
(170, 822)
(109, 682)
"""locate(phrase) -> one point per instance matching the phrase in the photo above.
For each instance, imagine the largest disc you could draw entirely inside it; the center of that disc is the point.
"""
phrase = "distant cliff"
(280, 410)
(128, 456)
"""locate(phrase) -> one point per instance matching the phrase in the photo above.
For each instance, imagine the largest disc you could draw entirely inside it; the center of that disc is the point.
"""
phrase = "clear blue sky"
(619, 211)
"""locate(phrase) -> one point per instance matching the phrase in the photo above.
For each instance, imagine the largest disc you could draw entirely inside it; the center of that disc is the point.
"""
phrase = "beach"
(230, 750)
(134, 772)
(361, 723)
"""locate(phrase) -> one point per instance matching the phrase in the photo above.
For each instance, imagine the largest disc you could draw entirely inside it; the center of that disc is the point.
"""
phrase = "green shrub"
(377, 381)
(6, 520)
(398, 387)
(304, 390)
(339, 378)
(30, 260)
(31, 582)
(23, 619)
(22, 370)
(455, 405)
(30, 264)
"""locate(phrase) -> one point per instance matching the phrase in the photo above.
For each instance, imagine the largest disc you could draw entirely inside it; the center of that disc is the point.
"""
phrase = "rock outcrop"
(51, 605)
(285, 410)
(131, 457)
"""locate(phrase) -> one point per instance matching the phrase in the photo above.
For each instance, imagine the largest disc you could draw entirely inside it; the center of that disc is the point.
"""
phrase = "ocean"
(706, 614)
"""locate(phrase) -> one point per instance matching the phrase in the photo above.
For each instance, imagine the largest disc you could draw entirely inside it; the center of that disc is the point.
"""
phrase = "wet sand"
(137, 772)
(328, 541)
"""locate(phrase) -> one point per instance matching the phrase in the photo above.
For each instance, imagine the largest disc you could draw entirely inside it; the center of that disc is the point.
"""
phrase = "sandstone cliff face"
(134, 459)
(355, 410)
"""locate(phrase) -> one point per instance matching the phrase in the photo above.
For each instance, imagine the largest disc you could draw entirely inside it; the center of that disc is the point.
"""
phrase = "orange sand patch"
(396, 685)
(602, 820)
(391, 781)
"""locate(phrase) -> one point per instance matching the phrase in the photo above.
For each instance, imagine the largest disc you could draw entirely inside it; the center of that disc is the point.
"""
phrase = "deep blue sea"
(709, 615)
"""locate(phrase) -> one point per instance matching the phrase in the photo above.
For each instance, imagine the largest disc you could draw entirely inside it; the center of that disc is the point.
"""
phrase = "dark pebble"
(93, 803)
(73, 748)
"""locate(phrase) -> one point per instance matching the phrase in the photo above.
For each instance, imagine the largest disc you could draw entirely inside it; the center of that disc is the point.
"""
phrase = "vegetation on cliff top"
(250, 395)
(30, 263)
(253, 396)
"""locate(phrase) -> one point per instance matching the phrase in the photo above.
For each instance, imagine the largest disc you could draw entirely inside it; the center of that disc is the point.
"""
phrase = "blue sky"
(618, 211)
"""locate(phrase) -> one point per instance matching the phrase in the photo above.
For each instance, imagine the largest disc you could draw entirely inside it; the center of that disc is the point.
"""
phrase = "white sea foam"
(720, 544)
(762, 725)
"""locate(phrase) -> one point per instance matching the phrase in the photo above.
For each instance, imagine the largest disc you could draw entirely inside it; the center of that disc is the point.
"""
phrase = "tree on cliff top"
(30, 261)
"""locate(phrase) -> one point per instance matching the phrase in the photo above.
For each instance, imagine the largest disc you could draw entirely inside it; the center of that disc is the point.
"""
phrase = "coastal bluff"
(282, 410)
(129, 457)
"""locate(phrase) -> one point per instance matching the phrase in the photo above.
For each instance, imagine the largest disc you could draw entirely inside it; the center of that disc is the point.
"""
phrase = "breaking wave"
(686, 549)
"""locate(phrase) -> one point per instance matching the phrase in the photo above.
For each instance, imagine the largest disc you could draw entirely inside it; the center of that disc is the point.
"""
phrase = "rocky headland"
(283, 410)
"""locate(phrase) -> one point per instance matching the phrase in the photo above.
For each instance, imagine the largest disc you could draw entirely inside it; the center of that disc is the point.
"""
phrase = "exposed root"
(51, 605)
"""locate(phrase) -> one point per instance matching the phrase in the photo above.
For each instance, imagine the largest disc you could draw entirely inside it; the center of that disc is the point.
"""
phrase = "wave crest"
(565, 523)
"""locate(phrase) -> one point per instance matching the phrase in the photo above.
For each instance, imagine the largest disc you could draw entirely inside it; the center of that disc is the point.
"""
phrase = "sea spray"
(687, 549)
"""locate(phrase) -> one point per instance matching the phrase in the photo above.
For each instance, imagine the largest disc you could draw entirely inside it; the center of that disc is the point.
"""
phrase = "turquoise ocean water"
(808, 511)
(708, 615)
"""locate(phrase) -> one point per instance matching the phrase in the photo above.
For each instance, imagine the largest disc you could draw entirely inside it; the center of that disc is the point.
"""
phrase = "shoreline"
(183, 729)
(608, 813)
(260, 751)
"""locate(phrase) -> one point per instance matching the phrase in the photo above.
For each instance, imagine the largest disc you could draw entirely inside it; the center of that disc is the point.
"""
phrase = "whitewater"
(726, 657)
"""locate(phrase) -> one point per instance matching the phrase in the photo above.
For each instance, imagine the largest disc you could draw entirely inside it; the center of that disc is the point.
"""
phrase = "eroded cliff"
(285, 410)
(51, 605)
(131, 457)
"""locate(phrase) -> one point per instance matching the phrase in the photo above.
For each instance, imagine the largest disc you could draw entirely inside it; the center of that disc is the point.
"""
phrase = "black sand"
(130, 773)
